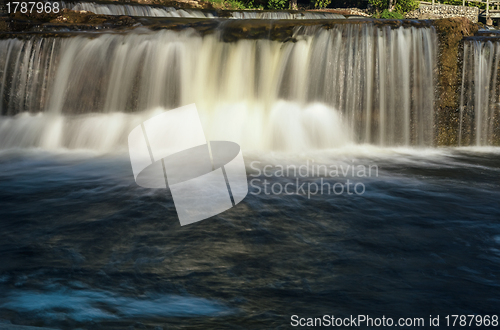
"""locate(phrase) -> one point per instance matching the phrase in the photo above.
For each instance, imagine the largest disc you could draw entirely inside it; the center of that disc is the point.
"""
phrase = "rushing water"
(82, 246)
(354, 82)
(480, 99)
(161, 11)
(353, 225)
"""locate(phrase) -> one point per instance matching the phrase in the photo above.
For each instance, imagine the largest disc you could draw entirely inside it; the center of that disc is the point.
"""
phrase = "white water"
(480, 99)
(355, 83)
(314, 127)
(157, 11)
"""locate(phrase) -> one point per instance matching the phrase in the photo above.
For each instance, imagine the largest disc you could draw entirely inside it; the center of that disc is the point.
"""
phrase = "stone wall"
(444, 11)
(450, 33)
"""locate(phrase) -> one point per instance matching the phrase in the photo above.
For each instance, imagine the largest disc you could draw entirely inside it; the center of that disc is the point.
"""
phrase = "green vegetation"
(389, 15)
(321, 3)
(278, 4)
(228, 4)
(400, 7)
(404, 6)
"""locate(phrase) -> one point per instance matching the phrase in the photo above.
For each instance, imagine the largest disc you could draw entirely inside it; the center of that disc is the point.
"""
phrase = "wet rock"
(185, 4)
(68, 20)
(4, 26)
(450, 32)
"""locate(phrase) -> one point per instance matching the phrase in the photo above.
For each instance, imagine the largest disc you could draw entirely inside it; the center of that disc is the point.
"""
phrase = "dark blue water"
(82, 246)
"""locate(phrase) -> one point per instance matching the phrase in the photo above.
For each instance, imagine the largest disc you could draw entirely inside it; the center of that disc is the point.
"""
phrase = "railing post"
(433, 2)
(463, 4)
(487, 9)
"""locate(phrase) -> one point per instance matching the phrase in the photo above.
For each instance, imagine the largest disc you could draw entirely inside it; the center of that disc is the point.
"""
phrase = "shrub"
(389, 15)
(277, 4)
(400, 6)
(321, 3)
(404, 6)
(379, 4)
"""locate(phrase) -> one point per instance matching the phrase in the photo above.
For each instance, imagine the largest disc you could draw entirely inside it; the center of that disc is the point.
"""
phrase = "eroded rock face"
(450, 32)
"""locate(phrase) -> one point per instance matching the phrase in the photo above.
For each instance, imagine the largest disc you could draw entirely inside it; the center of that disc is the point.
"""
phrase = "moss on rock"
(450, 32)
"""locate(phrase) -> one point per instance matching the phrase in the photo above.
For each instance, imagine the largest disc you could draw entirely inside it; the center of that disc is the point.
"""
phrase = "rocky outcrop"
(444, 11)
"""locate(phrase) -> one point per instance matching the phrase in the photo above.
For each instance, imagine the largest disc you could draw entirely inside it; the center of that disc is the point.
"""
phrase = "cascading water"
(340, 224)
(158, 11)
(353, 83)
(136, 10)
(480, 97)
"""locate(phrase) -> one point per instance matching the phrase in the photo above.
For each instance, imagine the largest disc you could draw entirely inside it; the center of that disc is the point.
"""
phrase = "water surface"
(83, 246)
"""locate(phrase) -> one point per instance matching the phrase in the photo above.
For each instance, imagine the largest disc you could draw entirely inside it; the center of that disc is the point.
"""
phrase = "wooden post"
(433, 2)
(463, 3)
(489, 21)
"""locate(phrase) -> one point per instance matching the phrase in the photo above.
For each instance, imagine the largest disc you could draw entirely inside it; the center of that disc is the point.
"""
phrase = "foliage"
(401, 7)
(234, 4)
(379, 4)
(229, 4)
(250, 4)
(389, 15)
(404, 6)
(321, 3)
(277, 4)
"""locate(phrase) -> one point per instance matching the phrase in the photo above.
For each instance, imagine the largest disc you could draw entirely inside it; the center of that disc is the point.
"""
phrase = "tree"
(321, 3)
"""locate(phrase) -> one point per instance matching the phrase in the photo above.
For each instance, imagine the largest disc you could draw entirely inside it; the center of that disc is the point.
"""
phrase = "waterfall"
(353, 83)
(480, 98)
(161, 11)
(136, 10)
